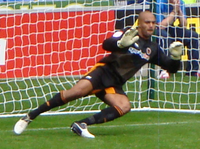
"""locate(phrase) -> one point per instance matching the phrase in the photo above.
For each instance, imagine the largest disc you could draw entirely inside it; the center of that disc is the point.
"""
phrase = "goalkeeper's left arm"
(176, 50)
(171, 63)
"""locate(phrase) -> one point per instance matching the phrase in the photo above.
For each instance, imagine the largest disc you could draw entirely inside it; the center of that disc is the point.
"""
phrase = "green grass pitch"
(138, 130)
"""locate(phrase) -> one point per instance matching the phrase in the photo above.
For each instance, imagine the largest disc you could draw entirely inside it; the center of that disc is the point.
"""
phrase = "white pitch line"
(110, 126)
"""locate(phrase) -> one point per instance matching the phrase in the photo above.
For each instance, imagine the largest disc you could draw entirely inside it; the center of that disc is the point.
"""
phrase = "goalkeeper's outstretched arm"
(176, 50)
(121, 40)
(171, 63)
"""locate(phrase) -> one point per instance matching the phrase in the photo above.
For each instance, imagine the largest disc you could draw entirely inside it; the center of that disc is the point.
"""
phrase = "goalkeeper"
(130, 49)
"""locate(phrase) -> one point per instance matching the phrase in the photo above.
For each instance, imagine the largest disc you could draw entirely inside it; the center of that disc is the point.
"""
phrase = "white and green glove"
(176, 49)
(128, 38)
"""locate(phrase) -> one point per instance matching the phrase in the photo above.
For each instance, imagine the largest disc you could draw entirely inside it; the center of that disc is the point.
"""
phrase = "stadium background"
(46, 42)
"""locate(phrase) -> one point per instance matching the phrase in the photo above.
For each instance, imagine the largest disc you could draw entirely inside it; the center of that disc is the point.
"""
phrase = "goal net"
(46, 46)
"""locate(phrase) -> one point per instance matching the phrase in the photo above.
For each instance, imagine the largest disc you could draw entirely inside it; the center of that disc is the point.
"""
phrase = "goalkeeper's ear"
(176, 49)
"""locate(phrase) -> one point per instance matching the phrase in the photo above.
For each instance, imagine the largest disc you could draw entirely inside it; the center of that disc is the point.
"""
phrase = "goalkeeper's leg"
(82, 88)
(119, 105)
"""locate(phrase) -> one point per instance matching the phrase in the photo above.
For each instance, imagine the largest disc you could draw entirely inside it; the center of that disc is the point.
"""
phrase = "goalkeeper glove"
(175, 49)
(128, 38)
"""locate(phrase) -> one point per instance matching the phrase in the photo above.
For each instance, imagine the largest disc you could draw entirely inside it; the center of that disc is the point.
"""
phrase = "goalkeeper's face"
(146, 25)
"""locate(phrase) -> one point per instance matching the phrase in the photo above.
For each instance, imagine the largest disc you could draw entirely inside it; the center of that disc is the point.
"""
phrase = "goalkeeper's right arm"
(120, 39)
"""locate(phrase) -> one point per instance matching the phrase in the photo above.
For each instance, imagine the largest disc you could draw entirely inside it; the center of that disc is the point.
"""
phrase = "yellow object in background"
(184, 57)
(189, 1)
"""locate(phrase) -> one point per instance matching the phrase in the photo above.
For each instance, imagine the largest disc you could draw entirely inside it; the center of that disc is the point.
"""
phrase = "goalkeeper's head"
(146, 24)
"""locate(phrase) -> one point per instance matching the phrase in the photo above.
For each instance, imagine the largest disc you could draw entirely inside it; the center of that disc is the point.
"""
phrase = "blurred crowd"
(147, 1)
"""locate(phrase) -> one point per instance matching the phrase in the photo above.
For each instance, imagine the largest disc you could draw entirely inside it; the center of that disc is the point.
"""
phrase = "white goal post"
(49, 47)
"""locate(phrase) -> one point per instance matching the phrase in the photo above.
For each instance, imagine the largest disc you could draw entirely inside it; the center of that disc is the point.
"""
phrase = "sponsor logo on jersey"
(139, 52)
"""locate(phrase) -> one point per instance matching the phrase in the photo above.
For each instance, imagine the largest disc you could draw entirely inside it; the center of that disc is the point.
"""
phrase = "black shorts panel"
(102, 80)
(100, 77)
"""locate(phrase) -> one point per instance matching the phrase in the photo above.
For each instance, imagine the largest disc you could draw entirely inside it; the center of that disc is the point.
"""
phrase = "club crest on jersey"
(148, 51)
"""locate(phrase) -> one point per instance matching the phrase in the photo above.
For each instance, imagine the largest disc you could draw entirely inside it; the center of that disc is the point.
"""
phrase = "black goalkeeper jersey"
(125, 62)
